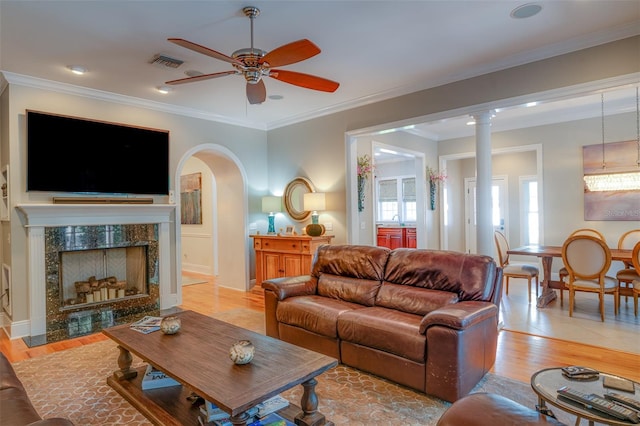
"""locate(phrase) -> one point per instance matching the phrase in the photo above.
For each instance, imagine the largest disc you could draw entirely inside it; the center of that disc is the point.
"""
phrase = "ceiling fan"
(254, 64)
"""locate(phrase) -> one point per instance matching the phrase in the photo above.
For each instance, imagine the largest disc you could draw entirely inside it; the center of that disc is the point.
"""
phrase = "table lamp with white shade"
(271, 205)
(314, 201)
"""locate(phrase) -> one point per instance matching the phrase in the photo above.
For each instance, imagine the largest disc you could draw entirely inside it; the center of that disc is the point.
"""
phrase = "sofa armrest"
(459, 316)
(461, 347)
(290, 286)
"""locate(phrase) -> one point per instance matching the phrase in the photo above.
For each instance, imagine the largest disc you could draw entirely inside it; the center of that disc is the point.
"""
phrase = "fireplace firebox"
(99, 276)
(102, 275)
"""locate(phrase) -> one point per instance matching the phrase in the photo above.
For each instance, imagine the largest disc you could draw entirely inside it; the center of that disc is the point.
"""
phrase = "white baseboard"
(197, 269)
(17, 329)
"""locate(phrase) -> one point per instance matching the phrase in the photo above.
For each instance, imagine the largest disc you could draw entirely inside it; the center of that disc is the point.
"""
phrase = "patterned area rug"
(72, 384)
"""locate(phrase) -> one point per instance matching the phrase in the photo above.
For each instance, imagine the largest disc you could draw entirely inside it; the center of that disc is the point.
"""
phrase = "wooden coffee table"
(198, 357)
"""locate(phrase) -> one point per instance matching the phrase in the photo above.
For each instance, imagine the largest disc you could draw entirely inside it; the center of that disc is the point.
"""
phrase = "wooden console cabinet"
(396, 237)
(285, 256)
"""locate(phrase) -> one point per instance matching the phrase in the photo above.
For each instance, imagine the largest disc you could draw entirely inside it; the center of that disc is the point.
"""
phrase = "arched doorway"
(227, 217)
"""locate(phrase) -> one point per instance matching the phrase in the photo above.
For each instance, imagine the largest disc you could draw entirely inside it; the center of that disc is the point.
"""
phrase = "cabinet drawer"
(390, 231)
(291, 246)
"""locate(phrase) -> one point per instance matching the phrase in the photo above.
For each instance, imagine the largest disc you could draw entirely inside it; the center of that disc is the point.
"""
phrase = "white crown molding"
(70, 89)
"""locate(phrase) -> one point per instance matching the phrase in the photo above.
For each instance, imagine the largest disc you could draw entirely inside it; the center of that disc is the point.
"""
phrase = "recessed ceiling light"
(276, 97)
(471, 123)
(526, 11)
(164, 89)
(193, 73)
(77, 69)
(531, 104)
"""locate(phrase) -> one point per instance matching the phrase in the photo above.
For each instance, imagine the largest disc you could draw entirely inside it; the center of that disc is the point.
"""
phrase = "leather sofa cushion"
(384, 329)
(419, 301)
(313, 313)
(468, 275)
(15, 406)
(486, 409)
(353, 290)
(350, 272)
(354, 261)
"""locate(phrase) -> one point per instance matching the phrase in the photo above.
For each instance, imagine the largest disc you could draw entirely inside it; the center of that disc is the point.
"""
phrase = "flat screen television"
(70, 154)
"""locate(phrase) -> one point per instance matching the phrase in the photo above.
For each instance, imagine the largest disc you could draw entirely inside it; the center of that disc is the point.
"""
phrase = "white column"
(484, 230)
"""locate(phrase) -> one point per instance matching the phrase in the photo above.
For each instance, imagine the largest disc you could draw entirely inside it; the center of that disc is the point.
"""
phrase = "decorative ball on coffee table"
(170, 325)
(242, 352)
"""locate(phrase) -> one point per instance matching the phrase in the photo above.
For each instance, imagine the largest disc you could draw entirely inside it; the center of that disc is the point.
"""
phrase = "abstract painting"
(191, 199)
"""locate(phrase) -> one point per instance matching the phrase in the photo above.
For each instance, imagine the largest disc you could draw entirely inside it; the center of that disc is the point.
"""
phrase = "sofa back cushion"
(469, 276)
(352, 273)
(419, 301)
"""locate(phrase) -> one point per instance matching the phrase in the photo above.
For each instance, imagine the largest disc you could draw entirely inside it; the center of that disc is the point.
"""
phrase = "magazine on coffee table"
(147, 324)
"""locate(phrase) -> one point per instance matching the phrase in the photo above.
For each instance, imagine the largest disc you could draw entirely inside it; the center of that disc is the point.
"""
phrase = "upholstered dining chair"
(527, 271)
(628, 274)
(635, 261)
(587, 260)
(563, 273)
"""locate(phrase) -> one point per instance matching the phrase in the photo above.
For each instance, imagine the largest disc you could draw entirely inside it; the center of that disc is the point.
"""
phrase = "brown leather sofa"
(15, 407)
(486, 409)
(426, 319)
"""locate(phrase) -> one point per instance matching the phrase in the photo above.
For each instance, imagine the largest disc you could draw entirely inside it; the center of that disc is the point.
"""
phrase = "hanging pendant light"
(616, 181)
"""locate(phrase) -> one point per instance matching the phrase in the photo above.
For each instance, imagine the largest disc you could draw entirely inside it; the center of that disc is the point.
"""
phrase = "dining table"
(546, 255)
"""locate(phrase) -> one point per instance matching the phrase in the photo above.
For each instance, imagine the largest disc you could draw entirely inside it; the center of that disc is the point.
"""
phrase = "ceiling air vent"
(166, 61)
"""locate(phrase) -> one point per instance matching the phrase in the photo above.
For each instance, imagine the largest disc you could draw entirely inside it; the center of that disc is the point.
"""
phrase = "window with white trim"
(396, 199)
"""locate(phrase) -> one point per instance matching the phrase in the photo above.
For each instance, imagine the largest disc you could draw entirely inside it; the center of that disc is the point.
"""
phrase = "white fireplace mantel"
(94, 214)
(37, 217)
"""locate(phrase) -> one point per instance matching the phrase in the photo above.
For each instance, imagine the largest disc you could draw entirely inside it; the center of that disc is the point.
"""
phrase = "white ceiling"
(374, 49)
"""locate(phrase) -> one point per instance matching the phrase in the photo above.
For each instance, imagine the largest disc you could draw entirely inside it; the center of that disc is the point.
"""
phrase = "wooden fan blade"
(201, 77)
(256, 93)
(204, 50)
(305, 80)
(291, 53)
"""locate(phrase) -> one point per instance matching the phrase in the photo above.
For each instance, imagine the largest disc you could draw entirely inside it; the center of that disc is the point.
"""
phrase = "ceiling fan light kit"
(253, 64)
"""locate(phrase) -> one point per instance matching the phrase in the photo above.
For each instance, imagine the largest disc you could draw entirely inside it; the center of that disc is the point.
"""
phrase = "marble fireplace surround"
(37, 217)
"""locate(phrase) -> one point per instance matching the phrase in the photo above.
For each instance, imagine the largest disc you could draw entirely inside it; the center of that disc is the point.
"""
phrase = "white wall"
(197, 239)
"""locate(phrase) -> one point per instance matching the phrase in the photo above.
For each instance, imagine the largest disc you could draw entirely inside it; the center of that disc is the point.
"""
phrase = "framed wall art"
(191, 199)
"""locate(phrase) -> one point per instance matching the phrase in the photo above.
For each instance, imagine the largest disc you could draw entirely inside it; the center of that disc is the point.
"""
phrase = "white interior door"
(499, 210)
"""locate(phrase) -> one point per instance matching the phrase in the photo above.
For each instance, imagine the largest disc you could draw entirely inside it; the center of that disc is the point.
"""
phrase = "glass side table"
(545, 384)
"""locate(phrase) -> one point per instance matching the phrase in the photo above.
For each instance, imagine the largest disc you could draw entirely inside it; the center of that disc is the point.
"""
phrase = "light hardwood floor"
(519, 354)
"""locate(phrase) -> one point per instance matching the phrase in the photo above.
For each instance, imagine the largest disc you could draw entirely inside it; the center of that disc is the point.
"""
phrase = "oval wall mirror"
(293, 195)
